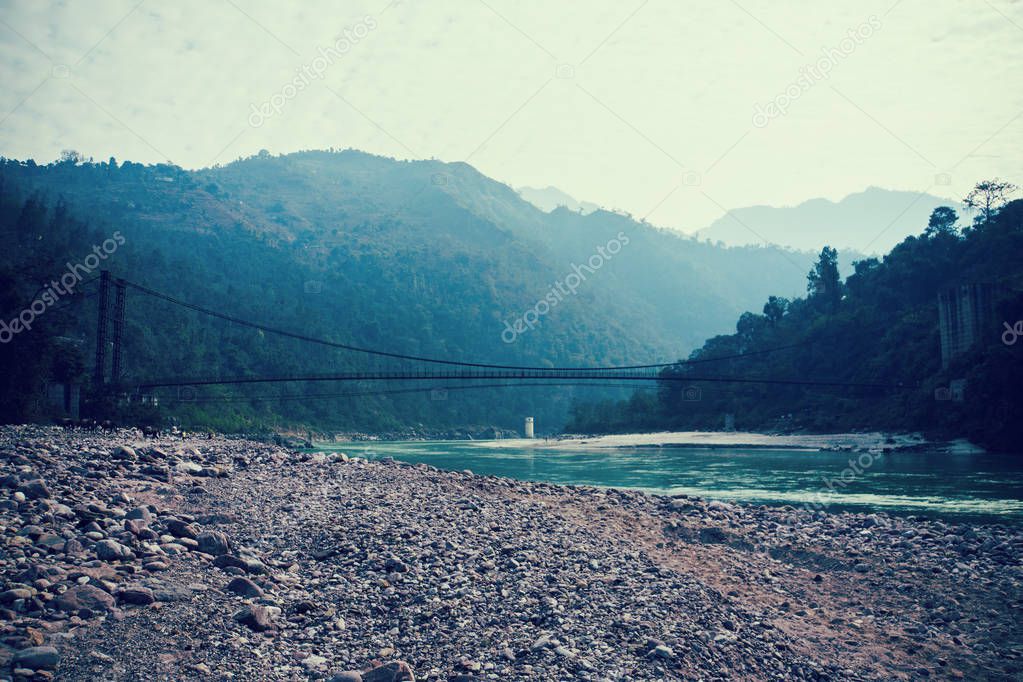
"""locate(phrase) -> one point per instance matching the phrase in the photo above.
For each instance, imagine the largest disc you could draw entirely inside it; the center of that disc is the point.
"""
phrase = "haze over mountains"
(868, 222)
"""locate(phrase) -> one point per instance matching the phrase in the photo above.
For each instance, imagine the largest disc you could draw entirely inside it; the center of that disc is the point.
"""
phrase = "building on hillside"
(966, 317)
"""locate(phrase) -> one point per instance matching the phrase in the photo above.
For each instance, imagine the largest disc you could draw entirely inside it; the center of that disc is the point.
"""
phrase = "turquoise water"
(954, 487)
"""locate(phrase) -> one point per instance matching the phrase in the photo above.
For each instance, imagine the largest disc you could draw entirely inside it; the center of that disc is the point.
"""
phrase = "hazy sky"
(647, 106)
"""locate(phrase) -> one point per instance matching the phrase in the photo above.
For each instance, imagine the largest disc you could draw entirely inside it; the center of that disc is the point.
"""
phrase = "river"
(981, 488)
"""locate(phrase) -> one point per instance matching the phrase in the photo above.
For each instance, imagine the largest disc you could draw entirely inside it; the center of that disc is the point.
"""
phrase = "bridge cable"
(418, 358)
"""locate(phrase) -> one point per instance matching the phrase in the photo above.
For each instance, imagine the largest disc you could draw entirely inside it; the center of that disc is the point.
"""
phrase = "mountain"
(550, 198)
(868, 222)
(413, 257)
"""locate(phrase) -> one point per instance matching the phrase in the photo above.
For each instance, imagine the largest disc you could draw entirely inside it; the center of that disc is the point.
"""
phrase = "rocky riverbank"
(126, 558)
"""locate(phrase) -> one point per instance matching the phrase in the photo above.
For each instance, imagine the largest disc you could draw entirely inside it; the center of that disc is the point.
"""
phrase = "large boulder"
(35, 489)
(347, 676)
(37, 658)
(140, 514)
(213, 542)
(254, 617)
(160, 473)
(245, 563)
(180, 529)
(85, 598)
(395, 671)
(111, 550)
(245, 588)
(188, 468)
(124, 452)
(10, 596)
(136, 595)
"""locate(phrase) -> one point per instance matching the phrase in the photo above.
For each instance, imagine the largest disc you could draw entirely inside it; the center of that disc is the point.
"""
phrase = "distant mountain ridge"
(549, 198)
(869, 222)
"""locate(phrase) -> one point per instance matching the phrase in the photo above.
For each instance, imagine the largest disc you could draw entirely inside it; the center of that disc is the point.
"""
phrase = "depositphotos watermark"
(562, 288)
(1012, 332)
(855, 469)
(63, 286)
(812, 74)
(314, 70)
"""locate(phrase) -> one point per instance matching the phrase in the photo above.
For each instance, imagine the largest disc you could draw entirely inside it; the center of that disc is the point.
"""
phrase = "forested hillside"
(421, 258)
(864, 352)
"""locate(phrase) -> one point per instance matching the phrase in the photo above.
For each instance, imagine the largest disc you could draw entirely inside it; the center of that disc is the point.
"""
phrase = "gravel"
(125, 558)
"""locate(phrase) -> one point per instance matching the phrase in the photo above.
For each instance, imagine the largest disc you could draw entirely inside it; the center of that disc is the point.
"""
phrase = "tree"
(942, 222)
(775, 308)
(1010, 216)
(987, 196)
(748, 325)
(71, 156)
(858, 283)
(824, 283)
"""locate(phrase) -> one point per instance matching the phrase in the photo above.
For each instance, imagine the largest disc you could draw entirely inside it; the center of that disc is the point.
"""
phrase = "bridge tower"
(115, 369)
(98, 375)
(967, 317)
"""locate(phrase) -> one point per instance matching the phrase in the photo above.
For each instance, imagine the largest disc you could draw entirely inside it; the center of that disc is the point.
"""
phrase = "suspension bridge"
(429, 369)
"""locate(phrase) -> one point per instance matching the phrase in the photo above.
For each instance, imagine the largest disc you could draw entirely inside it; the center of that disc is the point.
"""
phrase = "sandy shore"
(132, 559)
(720, 439)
